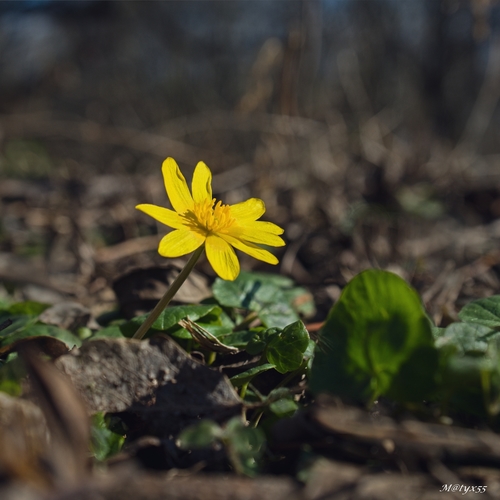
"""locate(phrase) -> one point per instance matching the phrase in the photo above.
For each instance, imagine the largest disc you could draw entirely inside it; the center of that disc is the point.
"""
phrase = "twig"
(126, 249)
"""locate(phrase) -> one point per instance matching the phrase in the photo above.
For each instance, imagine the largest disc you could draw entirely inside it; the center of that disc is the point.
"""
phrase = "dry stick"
(169, 294)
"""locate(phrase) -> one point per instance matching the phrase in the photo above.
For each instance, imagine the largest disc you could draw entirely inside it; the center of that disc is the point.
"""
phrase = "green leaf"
(260, 339)
(471, 382)
(261, 293)
(437, 331)
(284, 407)
(256, 345)
(39, 329)
(483, 312)
(104, 442)
(201, 435)
(19, 322)
(247, 376)
(238, 339)
(279, 393)
(376, 328)
(170, 317)
(215, 330)
(466, 337)
(11, 387)
(286, 350)
(84, 332)
(309, 352)
(28, 307)
(269, 278)
(11, 374)
(24, 318)
(112, 331)
(245, 446)
(416, 378)
(278, 314)
(463, 379)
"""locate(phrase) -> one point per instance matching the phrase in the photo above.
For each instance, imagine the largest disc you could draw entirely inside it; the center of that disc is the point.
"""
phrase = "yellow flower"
(199, 219)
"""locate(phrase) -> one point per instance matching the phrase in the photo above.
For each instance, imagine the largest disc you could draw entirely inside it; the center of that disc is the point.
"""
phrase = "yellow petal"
(256, 235)
(163, 215)
(253, 250)
(202, 183)
(267, 227)
(176, 186)
(222, 258)
(179, 242)
(249, 210)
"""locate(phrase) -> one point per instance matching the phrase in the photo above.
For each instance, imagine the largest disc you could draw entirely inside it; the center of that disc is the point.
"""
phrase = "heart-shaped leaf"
(376, 328)
(286, 349)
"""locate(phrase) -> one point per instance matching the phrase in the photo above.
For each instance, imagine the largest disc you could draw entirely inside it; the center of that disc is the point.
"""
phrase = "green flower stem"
(256, 419)
(246, 322)
(211, 358)
(243, 390)
(296, 373)
(169, 294)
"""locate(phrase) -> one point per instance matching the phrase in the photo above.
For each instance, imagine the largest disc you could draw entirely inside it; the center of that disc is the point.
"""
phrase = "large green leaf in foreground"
(376, 340)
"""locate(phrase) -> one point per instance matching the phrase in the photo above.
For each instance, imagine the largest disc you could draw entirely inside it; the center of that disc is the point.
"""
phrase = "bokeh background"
(370, 128)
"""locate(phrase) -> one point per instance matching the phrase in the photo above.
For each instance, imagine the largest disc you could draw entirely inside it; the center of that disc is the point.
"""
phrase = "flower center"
(209, 218)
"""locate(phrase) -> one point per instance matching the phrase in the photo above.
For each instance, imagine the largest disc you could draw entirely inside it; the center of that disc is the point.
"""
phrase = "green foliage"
(471, 385)
(283, 348)
(113, 331)
(39, 329)
(273, 298)
(286, 349)
(104, 442)
(281, 342)
(465, 337)
(374, 337)
(244, 445)
(11, 373)
(246, 376)
(284, 407)
(168, 320)
(470, 359)
(10, 387)
(259, 341)
(237, 339)
(484, 312)
(24, 318)
(377, 341)
(201, 435)
(29, 307)
(19, 322)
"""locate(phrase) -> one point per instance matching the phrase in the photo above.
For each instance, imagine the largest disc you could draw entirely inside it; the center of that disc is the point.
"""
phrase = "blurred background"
(370, 128)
